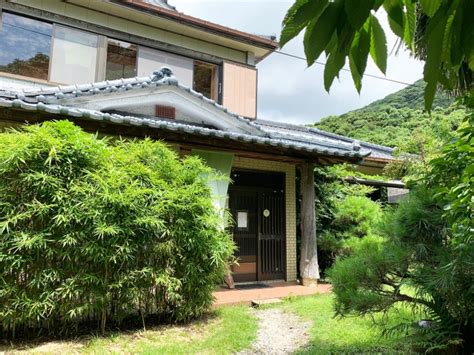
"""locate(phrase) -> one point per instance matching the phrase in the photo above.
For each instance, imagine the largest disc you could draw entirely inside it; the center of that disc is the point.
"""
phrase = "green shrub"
(343, 211)
(356, 216)
(91, 231)
(410, 265)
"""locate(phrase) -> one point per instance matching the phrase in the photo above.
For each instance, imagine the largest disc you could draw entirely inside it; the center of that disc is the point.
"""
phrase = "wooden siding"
(240, 89)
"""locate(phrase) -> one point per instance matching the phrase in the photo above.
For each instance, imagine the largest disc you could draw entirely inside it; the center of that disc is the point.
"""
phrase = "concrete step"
(258, 303)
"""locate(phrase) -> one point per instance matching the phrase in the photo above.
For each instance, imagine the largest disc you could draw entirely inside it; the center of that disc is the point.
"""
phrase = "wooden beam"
(309, 267)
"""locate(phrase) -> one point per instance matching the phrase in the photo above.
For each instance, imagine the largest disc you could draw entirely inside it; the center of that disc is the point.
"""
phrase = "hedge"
(95, 230)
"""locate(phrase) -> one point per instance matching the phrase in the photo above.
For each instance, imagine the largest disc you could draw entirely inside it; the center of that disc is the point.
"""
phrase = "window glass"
(121, 60)
(74, 57)
(205, 79)
(150, 60)
(24, 46)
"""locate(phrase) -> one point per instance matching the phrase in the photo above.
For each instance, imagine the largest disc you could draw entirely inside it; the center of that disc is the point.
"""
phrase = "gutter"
(200, 24)
(370, 182)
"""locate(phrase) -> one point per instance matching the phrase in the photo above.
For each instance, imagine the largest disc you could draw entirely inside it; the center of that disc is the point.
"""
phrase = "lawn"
(346, 335)
(230, 329)
(224, 331)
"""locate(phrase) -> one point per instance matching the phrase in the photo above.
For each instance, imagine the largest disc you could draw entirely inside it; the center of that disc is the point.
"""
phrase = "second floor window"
(25, 46)
(121, 60)
(205, 79)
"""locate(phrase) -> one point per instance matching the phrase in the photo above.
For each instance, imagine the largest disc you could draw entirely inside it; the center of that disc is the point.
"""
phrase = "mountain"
(394, 120)
(409, 97)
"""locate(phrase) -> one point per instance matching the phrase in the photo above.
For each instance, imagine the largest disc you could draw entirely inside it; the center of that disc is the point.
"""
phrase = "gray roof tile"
(284, 135)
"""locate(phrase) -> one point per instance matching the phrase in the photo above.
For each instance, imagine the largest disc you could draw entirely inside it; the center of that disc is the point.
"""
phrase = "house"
(138, 68)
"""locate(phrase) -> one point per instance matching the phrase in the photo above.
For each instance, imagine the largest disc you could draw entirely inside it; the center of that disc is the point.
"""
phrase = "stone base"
(309, 282)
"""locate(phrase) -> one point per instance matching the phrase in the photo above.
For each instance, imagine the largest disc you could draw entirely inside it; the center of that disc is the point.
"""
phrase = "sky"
(289, 91)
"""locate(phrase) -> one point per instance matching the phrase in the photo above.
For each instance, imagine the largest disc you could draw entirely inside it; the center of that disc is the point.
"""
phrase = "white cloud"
(287, 90)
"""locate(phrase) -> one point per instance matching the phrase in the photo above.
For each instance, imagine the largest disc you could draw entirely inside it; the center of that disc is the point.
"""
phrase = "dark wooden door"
(243, 205)
(271, 235)
(259, 233)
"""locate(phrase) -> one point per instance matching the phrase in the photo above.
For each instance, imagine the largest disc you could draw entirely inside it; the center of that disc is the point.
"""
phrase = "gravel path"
(278, 333)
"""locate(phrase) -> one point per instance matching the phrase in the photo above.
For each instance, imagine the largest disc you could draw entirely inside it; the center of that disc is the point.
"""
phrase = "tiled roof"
(160, 3)
(305, 133)
(55, 95)
(54, 100)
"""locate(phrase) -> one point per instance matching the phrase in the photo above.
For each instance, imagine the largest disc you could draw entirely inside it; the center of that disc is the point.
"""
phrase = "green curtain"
(222, 163)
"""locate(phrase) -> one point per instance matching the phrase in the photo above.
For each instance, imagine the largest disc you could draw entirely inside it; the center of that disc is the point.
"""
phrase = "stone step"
(258, 303)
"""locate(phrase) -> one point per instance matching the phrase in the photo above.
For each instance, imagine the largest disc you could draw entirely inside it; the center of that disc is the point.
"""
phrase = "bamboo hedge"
(95, 231)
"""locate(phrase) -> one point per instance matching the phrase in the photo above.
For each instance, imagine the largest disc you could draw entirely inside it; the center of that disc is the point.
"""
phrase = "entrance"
(257, 205)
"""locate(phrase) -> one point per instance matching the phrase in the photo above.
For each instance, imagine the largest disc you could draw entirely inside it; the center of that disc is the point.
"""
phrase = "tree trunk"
(229, 279)
(309, 267)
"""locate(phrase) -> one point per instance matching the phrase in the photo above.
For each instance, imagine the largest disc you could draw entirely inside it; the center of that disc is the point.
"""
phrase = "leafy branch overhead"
(440, 32)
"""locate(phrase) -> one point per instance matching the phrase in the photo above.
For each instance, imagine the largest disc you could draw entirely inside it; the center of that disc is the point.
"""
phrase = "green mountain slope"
(397, 118)
(409, 97)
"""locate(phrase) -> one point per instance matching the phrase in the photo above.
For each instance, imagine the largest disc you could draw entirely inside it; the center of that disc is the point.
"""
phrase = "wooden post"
(309, 267)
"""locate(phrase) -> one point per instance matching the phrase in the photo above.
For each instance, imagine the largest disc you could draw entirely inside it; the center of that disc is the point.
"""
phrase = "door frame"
(259, 190)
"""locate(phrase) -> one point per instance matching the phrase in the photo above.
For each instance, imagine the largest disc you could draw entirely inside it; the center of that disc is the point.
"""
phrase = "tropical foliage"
(97, 232)
(437, 31)
(424, 258)
(343, 212)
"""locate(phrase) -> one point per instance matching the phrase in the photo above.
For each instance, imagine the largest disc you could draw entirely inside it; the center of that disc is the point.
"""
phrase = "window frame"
(20, 76)
(100, 72)
(216, 78)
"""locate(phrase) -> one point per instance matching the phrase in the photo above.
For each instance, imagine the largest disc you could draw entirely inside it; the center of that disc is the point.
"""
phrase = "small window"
(74, 56)
(205, 79)
(24, 46)
(121, 60)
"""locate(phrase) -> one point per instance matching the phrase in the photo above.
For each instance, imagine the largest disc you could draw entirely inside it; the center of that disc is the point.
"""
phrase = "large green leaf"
(334, 64)
(396, 19)
(434, 53)
(456, 37)
(358, 55)
(319, 32)
(467, 40)
(430, 6)
(410, 24)
(378, 44)
(358, 11)
(298, 16)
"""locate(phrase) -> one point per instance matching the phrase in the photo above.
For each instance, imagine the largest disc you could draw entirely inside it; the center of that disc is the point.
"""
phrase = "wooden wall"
(240, 89)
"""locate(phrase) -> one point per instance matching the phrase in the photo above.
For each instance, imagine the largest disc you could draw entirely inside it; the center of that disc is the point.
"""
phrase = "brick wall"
(290, 198)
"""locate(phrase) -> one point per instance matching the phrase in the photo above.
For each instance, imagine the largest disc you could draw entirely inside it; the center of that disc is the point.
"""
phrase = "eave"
(188, 25)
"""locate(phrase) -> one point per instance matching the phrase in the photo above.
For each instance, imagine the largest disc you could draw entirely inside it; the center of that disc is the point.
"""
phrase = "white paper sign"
(242, 220)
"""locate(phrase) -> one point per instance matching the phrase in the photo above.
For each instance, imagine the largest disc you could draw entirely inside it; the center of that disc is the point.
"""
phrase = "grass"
(346, 335)
(225, 331)
(231, 329)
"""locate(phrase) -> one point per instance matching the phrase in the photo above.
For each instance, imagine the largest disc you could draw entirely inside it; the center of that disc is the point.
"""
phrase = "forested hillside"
(396, 119)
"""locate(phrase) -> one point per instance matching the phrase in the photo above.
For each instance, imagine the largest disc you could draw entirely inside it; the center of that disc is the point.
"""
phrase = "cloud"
(288, 91)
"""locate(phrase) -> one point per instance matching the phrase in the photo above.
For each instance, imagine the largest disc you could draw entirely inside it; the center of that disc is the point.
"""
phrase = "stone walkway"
(277, 290)
(279, 333)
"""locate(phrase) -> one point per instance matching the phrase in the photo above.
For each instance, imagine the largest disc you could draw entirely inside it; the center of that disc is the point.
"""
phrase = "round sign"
(266, 213)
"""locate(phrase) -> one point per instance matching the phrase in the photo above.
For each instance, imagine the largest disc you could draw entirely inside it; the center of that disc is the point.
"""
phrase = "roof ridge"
(163, 76)
(76, 112)
(305, 128)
